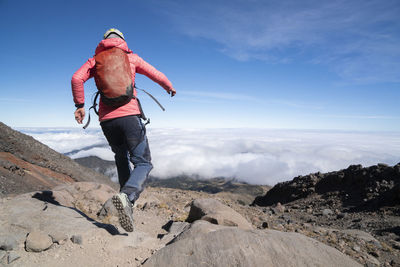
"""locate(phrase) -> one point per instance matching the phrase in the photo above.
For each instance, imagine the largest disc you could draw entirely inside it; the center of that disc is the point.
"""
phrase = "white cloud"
(252, 155)
(358, 39)
(66, 140)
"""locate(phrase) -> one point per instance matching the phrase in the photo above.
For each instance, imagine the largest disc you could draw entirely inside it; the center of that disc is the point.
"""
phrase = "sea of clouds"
(256, 156)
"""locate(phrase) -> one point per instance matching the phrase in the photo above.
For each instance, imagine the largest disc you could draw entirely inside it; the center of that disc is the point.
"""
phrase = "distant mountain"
(213, 185)
(28, 165)
(104, 167)
(355, 188)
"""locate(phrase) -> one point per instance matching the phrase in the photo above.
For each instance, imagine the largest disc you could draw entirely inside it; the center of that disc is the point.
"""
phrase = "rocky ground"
(84, 233)
(69, 226)
(356, 210)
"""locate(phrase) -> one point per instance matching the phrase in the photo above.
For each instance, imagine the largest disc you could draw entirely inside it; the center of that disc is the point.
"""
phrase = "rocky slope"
(356, 210)
(27, 165)
(355, 188)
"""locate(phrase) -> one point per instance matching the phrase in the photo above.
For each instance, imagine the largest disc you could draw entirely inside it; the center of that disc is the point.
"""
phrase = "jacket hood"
(110, 43)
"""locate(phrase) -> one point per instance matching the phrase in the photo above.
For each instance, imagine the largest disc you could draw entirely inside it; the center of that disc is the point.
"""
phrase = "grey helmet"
(113, 33)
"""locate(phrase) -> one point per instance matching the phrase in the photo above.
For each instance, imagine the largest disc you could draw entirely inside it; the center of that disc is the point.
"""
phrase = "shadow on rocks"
(47, 196)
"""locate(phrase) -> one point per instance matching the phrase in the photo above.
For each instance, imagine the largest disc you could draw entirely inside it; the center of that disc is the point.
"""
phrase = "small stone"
(8, 243)
(327, 212)
(356, 248)
(279, 208)
(376, 243)
(311, 220)
(12, 256)
(76, 239)
(59, 238)
(374, 253)
(265, 225)
(37, 241)
(315, 231)
(395, 262)
(2, 254)
(395, 244)
(341, 215)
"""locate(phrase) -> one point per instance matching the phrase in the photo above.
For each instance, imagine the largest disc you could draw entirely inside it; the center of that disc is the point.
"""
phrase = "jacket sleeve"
(78, 79)
(145, 68)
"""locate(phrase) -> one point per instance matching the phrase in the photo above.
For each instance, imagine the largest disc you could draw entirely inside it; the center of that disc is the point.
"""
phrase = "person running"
(121, 124)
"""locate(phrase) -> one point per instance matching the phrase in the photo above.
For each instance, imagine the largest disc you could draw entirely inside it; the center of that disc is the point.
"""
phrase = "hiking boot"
(125, 211)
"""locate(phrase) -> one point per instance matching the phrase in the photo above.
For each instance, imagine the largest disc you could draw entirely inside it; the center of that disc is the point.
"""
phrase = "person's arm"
(145, 68)
(78, 79)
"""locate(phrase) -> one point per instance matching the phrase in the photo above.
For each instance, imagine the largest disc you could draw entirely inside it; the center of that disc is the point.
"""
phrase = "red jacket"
(137, 65)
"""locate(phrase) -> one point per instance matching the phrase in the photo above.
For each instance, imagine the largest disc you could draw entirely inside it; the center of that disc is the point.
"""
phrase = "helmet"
(112, 30)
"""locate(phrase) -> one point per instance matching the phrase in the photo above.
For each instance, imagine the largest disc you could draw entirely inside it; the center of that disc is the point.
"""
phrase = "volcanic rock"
(362, 188)
(204, 244)
(58, 238)
(215, 212)
(76, 239)
(37, 241)
(8, 242)
(2, 255)
(12, 256)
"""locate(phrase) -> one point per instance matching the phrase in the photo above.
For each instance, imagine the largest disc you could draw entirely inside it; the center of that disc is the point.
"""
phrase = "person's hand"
(172, 92)
(79, 115)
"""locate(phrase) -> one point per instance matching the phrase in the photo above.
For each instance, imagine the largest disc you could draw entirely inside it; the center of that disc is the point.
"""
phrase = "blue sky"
(263, 64)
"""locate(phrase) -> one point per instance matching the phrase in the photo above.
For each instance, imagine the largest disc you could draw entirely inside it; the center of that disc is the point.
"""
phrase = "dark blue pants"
(127, 138)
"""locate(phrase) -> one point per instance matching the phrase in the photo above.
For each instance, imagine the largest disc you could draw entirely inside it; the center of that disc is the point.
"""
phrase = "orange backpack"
(113, 77)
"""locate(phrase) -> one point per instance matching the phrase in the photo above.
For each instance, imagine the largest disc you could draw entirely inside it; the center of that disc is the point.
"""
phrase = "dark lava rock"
(360, 188)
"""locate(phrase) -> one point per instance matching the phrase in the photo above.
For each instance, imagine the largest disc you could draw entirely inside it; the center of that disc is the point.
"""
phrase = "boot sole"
(124, 219)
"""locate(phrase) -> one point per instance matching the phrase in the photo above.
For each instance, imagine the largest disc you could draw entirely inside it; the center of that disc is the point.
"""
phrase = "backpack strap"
(140, 105)
(142, 116)
(94, 108)
(152, 97)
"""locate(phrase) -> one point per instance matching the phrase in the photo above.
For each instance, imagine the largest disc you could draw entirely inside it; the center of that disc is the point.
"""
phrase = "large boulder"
(215, 212)
(205, 244)
(46, 212)
(84, 196)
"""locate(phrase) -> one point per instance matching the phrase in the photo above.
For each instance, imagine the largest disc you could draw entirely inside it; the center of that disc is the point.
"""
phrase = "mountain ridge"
(34, 166)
